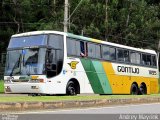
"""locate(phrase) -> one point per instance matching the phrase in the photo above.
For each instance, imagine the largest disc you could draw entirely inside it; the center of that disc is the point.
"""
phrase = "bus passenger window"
(105, 52)
(82, 49)
(108, 53)
(112, 53)
(138, 58)
(97, 52)
(154, 62)
(91, 50)
(126, 55)
(144, 61)
(120, 55)
(94, 51)
(71, 46)
(148, 60)
(123, 55)
(135, 57)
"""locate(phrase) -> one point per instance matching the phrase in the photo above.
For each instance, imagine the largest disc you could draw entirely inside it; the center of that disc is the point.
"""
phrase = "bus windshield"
(25, 61)
(28, 41)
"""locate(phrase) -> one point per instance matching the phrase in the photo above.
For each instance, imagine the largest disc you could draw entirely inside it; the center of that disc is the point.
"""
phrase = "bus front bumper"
(24, 88)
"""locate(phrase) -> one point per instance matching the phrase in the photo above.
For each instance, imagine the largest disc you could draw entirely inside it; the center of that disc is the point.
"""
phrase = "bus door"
(53, 62)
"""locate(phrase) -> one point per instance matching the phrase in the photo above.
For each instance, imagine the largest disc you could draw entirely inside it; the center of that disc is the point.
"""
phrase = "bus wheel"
(143, 89)
(134, 89)
(71, 90)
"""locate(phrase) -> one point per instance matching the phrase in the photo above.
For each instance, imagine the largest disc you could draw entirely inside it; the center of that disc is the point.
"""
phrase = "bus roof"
(37, 33)
(79, 37)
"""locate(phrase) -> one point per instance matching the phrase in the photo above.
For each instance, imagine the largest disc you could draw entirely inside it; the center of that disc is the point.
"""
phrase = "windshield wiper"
(17, 63)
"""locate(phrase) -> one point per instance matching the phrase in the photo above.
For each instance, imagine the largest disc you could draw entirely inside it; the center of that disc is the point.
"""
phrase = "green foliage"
(131, 22)
(26, 98)
(1, 86)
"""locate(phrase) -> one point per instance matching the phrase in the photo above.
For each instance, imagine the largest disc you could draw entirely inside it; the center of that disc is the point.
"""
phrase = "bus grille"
(18, 80)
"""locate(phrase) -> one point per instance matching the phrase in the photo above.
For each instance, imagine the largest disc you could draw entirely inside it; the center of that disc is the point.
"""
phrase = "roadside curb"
(24, 106)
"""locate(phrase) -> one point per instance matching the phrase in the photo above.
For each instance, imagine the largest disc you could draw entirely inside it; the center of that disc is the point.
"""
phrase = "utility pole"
(66, 16)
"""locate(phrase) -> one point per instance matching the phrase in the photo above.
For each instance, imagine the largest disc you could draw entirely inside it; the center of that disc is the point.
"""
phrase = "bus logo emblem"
(73, 64)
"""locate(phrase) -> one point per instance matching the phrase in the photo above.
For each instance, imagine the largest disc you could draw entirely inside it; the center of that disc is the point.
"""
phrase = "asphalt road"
(125, 112)
(153, 108)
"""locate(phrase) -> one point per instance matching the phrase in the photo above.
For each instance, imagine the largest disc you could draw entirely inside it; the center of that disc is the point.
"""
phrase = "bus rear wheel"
(134, 89)
(71, 89)
(143, 89)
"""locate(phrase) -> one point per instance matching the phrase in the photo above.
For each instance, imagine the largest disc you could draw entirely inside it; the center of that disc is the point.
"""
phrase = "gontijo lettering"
(128, 69)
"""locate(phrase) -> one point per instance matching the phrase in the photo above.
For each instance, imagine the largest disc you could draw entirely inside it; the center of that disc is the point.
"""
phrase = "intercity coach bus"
(52, 62)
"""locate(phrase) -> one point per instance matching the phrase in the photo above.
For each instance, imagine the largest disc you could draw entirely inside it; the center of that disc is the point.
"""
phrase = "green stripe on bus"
(78, 37)
(102, 77)
(92, 76)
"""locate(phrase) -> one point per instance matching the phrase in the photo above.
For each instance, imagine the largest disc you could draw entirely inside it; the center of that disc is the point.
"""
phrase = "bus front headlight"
(7, 89)
(7, 81)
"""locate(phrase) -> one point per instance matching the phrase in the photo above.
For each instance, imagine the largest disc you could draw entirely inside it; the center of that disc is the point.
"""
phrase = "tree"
(133, 22)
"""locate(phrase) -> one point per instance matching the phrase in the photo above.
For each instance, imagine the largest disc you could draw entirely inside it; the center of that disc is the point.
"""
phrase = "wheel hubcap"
(71, 90)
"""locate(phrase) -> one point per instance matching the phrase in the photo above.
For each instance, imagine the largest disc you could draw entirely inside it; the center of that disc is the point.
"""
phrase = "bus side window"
(120, 55)
(82, 49)
(135, 57)
(154, 62)
(86, 49)
(97, 51)
(126, 55)
(91, 50)
(105, 52)
(112, 53)
(148, 60)
(71, 47)
(138, 58)
(144, 59)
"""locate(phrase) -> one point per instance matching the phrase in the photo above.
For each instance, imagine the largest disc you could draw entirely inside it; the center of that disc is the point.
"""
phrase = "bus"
(52, 62)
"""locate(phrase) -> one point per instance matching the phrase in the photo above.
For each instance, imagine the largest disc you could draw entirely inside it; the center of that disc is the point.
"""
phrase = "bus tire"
(143, 89)
(134, 89)
(71, 88)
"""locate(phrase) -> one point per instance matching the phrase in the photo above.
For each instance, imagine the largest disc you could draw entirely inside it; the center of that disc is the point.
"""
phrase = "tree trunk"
(128, 16)
(18, 25)
(106, 21)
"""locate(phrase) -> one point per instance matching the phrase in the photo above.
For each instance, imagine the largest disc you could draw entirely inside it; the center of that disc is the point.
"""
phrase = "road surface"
(128, 112)
(153, 108)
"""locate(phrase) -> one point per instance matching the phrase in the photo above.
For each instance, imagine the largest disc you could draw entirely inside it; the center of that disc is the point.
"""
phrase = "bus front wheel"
(134, 89)
(71, 89)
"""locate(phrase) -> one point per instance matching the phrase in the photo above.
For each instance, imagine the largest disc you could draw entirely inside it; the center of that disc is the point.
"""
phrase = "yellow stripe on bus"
(96, 40)
(121, 84)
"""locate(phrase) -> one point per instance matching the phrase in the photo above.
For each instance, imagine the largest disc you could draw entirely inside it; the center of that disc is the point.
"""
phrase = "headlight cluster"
(7, 89)
(7, 81)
